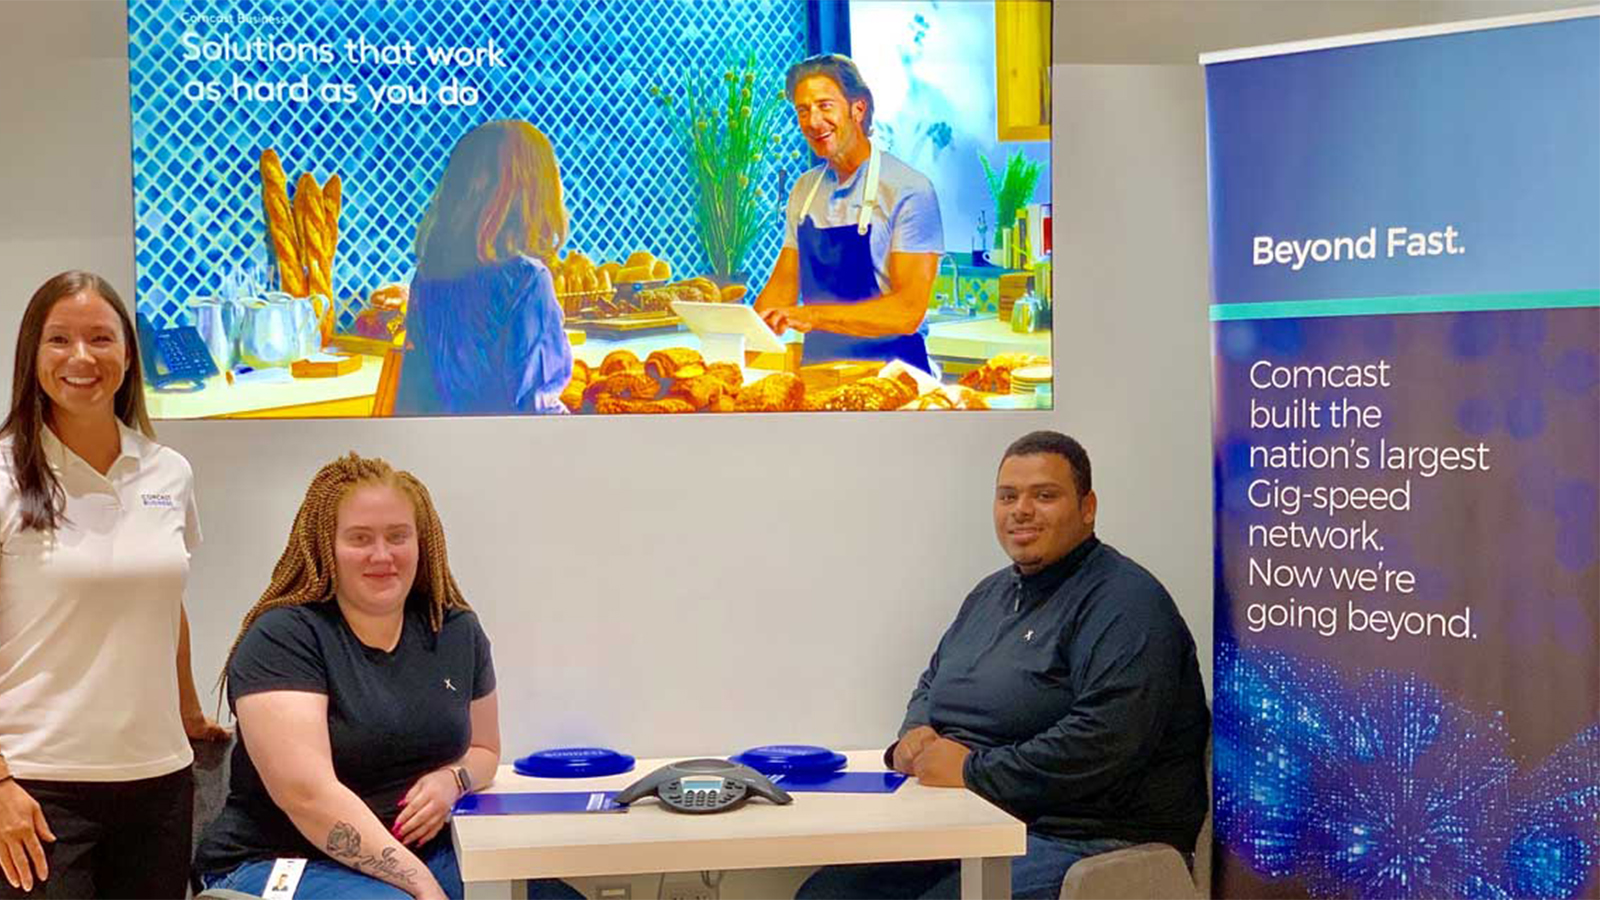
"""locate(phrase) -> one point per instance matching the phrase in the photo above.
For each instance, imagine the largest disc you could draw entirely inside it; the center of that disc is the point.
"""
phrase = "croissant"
(727, 373)
(608, 405)
(701, 391)
(994, 376)
(572, 394)
(621, 361)
(664, 364)
(626, 385)
(867, 394)
(778, 392)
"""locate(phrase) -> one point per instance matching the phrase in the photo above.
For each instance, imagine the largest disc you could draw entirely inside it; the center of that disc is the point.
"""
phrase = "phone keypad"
(702, 800)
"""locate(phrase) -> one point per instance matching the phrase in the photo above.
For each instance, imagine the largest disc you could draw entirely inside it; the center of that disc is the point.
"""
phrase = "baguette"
(281, 228)
(314, 247)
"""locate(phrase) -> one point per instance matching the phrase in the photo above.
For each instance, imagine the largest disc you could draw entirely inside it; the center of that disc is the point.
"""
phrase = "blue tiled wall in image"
(579, 70)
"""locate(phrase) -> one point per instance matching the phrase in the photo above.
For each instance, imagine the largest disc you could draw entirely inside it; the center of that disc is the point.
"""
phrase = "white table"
(498, 853)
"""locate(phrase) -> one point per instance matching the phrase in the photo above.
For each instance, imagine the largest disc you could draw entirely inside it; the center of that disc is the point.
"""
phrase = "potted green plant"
(1010, 190)
(729, 129)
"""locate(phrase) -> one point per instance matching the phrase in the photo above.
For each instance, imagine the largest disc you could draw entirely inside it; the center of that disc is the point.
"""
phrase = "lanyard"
(869, 200)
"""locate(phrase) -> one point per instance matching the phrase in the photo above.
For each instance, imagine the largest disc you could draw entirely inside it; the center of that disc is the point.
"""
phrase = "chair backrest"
(388, 381)
(1141, 872)
(210, 782)
(1202, 843)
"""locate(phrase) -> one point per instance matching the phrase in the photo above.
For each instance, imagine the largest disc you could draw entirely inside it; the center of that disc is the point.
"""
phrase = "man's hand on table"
(940, 763)
(911, 744)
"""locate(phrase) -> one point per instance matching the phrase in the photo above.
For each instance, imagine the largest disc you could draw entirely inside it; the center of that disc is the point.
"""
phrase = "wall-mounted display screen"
(430, 208)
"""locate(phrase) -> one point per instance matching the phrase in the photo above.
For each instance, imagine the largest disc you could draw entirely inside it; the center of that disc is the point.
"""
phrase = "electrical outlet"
(687, 889)
(614, 891)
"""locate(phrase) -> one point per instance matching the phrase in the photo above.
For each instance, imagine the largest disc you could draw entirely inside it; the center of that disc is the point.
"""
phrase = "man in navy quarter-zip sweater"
(1066, 692)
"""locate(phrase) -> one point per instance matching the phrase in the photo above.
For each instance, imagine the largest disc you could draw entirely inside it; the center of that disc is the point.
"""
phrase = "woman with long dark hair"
(484, 325)
(97, 700)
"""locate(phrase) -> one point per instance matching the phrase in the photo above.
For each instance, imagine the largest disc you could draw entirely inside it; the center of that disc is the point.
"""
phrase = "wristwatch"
(463, 780)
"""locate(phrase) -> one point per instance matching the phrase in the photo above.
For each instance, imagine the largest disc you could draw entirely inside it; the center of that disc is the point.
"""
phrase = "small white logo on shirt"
(158, 501)
(449, 685)
(1029, 635)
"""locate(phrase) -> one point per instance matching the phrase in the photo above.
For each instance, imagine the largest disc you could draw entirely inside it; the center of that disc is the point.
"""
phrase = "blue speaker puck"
(791, 759)
(573, 762)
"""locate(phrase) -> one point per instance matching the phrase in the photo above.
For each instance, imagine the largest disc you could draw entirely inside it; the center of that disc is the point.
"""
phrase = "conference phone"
(703, 786)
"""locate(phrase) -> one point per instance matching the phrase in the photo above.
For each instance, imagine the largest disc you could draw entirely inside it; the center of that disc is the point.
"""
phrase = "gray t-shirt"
(905, 220)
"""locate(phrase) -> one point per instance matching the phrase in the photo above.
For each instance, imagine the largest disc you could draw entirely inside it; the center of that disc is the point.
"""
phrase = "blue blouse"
(487, 342)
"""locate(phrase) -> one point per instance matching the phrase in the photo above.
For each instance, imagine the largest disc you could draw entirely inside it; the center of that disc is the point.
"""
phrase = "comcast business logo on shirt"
(158, 501)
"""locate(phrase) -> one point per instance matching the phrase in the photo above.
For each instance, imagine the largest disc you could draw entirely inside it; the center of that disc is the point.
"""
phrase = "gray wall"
(816, 558)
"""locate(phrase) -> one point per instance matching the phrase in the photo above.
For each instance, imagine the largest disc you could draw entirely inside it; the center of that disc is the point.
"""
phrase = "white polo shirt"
(89, 617)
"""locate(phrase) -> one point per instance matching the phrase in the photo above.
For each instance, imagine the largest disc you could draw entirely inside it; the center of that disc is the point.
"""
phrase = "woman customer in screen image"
(365, 697)
(97, 701)
(484, 326)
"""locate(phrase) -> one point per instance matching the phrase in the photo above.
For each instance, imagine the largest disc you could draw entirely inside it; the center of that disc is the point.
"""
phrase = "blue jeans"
(1036, 875)
(325, 879)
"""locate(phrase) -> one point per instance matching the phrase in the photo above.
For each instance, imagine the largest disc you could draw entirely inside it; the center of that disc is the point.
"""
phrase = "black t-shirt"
(392, 717)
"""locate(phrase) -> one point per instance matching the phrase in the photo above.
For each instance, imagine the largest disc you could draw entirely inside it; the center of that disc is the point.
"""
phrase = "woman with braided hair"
(365, 698)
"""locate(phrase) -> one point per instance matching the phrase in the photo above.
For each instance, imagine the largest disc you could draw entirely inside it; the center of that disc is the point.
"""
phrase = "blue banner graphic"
(1405, 311)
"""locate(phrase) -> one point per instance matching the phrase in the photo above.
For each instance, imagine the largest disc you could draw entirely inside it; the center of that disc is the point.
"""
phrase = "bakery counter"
(273, 393)
(594, 348)
(961, 343)
(980, 339)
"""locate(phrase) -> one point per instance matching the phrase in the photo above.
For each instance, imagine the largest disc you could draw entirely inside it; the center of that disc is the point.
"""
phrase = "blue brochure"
(842, 782)
(533, 803)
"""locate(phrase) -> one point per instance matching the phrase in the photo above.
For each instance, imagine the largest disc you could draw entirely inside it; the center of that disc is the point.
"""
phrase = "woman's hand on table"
(426, 807)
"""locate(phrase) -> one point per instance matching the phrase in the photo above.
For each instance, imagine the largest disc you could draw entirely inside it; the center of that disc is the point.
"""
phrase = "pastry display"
(994, 376)
(674, 362)
(579, 283)
(572, 394)
(629, 385)
(860, 396)
(728, 373)
(613, 405)
(619, 289)
(778, 392)
(641, 266)
(951, 397)
(385, 315)
(703, 392)
(621, 361)
(678, 380)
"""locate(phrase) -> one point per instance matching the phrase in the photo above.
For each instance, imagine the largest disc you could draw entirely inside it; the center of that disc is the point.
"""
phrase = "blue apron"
(836, 267)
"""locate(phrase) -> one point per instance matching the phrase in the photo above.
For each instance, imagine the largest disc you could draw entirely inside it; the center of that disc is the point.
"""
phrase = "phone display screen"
(701, 783)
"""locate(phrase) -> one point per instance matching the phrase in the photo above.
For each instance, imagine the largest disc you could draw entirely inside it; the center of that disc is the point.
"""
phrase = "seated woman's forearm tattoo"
(344, 845)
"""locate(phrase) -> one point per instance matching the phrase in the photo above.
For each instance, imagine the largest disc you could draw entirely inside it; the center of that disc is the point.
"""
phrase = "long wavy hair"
(305, 572)
(500, 196)
(38, 491)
